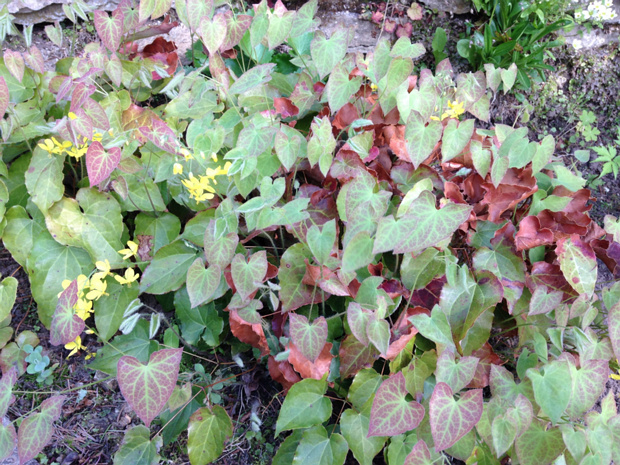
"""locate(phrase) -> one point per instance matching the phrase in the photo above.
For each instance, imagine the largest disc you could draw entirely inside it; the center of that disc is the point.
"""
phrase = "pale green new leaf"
(327, 53)
(208, 430)
(137, 448)
(44, 178)
(354, 428)
(8, 293)
(315, 447)
(421, 138)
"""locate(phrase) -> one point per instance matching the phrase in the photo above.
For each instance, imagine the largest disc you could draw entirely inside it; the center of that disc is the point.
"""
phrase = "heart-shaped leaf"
(168, 269)
(358, 318)
(378, 331)
(419, 455)
(544, 300)
(339, 88)
(423, 226)
(318, 448)
(588, 385)
(247, 276)
(8, 438)
(392, 414)
(147, 388)
(455, 374)
(208, 430)
(4, 97)
(354, 426)
(236, 25)
(305, 405)
(504, 432)
(8, 294)
(552, 388)
(421, 138)
(66, 325)
(36, 431)
(280, 24)
(321, 241)
(197, 10)
(451, 419)
(309, 338)
(15, 64)
(110, 29)
(99, 163)
(138, 448)
(6, 386)
(290, 144)
(322, 144)
(455, 138)
(219, 250)
(252, 78)
(578, 263)
(213, 32)
(327, 53)
(202, 282)
(539, 445)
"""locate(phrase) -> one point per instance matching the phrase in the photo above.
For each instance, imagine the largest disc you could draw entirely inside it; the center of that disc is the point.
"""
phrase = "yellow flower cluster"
(455, 109)
(201, 188)
(90, 290)
(52, 146)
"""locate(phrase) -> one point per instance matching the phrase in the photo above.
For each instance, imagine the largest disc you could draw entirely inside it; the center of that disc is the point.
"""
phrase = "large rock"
(458, 7)
(48, 11)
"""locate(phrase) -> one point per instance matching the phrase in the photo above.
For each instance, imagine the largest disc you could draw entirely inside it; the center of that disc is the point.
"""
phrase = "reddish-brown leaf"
(285, 107)
(282, 372)
(609, 253)
(550, 275)
(345, 116)
(305, 367)
(354, 356)
(252, 334)
(516, 186)
(486, 358)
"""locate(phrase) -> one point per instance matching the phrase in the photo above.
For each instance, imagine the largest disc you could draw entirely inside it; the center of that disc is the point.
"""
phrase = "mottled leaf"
(212, 32)
(391, 412)
(219, 250)
(455, 138)
(552, 388)
(247, 276)
(456, 374)
(202, 282)
(4, 97)
(147, 388)
(419, 455)
(451, 419)
(421, 138)
(578, 263)
(539, 445)
(110, 29)
(327, 53)
(66, 325)
(309, 338)
(100, 163)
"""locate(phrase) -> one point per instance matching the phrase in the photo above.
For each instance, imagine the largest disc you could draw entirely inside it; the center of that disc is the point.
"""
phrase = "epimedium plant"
(341, 214)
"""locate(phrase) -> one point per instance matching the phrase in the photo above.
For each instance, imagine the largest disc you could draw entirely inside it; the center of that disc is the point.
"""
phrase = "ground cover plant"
(421, 287)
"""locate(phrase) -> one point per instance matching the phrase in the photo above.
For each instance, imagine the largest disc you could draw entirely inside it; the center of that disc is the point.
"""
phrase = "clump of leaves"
(339, 219)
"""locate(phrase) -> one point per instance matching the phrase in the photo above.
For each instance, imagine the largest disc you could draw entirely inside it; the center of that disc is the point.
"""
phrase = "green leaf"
(364, 386)
(202, 321)
(138, 448)
(8, 438)
(481, 157)
(552, 388)
(543, 153)
(421, 138)
(36, 431)
(451, 419)
(48, 264)
(44, 178)
(398, 72)
(290, 144)
(308, 338)
(109, 309)
(219, 249)
(578, 263)
(544, 300)
(322, 144)
(305, 405)
(423, 226)
(405, 49)
(321, 241)
(508, 76)
(378, 331)
(304, 19)
(419, 455)
(137, 344)
(455, 374)
(256, 76)
(212, 32)
(202, 283)
(168, 269)
(293, 292)
(8, 294)
(504, 433)
(339, 88)
(317, 448)
(588, 386)
(247, 276)
(147, 388)
(327, 53)
(418, 271)
(358, 252)
(208, 430)
(436, 327)
(392, 414)
(354, 428)
(164, 228)
(455, 138)
(280, 25)
(539, 445)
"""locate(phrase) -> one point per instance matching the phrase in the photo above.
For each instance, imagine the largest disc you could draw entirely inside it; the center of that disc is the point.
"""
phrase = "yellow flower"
(199, 188)
(186, 154)
(97, 289)
(455, 110)
(130, 277)
(177, 168)
(75, 346)
(97, 137)
(82, 282)
(72, 115)
(91, 355)
(83, 308)
(104, 267)
(374, 87)
(47, 145)
(131, 251)
(214, 157)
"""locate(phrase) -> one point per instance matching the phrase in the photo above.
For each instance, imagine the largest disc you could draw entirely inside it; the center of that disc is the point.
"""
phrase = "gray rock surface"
(458, 7)
(48, 11)
(366, 33)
